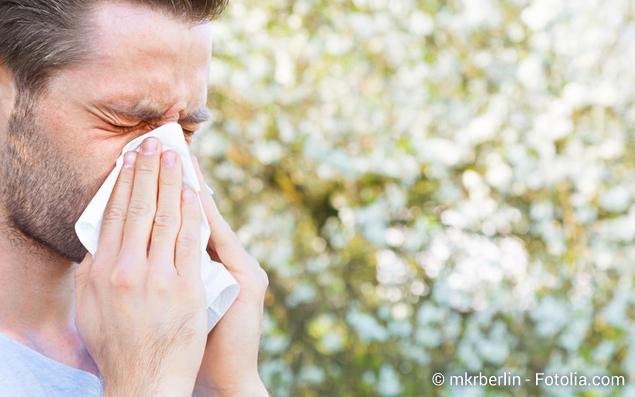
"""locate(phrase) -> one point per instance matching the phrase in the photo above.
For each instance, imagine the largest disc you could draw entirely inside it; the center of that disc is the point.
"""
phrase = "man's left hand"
(230, 362)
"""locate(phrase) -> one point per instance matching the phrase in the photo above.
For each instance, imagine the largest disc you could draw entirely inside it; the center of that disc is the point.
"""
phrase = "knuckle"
(187, 239)
(139, 208)
(190, 288)
(125, 276)
(264, 277)
(260, 272)
(165, 220)
(146, 168)
(125, 177)
(168, 179)
(227, 240)
(123, 280)
(114, 213)
(161, 284)
(222, 242)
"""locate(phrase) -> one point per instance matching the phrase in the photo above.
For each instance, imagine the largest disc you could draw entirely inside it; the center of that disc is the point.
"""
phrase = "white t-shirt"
(27, 373)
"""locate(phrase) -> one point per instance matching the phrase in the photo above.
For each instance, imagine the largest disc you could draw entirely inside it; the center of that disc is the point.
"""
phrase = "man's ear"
(8, 93)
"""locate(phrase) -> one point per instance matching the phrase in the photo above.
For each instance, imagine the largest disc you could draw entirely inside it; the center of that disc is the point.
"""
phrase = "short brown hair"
(38, 37)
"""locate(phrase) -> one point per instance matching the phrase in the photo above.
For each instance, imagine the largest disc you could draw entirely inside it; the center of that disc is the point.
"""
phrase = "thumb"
(81, 276)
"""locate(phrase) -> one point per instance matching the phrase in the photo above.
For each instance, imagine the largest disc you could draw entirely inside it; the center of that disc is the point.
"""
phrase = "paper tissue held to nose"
(221, 289)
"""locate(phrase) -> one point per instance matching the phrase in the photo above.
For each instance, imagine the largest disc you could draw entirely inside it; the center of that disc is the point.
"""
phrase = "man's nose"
(173, 114)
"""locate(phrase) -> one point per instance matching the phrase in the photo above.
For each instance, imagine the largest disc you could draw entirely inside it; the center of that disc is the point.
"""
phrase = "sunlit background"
(432, 186)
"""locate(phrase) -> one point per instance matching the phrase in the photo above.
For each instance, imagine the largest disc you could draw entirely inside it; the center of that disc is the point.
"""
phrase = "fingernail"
(188, 196)
(168, 159)
(129, 159)
(149, 146)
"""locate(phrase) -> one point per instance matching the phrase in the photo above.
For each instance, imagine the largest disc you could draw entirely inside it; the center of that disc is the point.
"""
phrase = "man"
(78, 80)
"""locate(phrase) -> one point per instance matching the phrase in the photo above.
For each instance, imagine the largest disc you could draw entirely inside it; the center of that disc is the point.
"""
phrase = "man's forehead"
(133, 18)
(129, 30)
(145, 63)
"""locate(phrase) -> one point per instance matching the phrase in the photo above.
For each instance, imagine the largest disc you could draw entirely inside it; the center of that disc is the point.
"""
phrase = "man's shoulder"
(25, 372)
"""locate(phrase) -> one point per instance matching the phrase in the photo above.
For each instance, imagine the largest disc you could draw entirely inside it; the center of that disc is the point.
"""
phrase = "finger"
(223, 241)
(115, 213)
(143, 201)
(199, 175)
(167, 220)
(188, 242)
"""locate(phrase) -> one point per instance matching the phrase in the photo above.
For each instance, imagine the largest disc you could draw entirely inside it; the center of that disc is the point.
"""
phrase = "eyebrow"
(198, 116)
(139, 111)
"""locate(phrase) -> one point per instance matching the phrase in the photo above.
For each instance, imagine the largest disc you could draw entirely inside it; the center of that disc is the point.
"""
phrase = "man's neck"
(37, 299)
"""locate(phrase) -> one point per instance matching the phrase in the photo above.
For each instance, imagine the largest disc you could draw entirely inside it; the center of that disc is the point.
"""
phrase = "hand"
(141, 310)
(230, 363)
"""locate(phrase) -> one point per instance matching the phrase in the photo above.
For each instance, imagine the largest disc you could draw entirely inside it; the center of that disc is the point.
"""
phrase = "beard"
(42, 189)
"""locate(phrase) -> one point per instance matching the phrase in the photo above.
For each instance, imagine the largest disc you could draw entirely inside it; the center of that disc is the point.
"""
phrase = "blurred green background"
(432, 186)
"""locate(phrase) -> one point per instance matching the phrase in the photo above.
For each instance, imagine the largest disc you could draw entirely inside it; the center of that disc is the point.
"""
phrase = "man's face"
(148, 69)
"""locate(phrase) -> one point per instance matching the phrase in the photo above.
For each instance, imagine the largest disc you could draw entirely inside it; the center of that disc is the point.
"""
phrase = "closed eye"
(127, 129)
(133, 128)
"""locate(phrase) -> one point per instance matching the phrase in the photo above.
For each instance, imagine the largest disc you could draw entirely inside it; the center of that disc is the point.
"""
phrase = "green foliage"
(432, 186)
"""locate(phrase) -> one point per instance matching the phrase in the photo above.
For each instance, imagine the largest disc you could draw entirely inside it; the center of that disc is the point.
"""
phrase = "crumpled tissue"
(221, 289)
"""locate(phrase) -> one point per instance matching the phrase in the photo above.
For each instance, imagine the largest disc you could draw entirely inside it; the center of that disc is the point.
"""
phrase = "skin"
(108, 315)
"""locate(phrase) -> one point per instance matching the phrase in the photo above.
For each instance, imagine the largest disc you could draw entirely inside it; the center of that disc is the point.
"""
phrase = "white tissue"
(221, 289)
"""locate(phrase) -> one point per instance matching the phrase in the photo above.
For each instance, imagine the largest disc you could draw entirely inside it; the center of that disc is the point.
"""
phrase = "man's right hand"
(141, 311)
